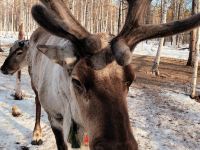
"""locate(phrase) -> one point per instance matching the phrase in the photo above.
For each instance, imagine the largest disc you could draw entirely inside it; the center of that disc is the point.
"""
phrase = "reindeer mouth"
(13, 72)
(8, 72)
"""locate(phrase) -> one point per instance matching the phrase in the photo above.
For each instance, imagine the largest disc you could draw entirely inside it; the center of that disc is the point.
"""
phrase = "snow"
(8, 38)
(163, 119)
(150, 49)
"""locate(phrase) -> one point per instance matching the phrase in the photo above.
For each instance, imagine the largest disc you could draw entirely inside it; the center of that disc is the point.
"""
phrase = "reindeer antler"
(136, 12)
(167, 29)
(133, 33)
(120, 48)
(57, 19)
(62, 11)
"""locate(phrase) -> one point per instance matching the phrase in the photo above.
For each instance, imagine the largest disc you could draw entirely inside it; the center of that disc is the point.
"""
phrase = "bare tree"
(192, 46)
(156, 63)
(196, 62)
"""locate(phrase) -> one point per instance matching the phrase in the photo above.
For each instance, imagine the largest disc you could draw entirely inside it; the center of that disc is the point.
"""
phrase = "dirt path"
(171, 71)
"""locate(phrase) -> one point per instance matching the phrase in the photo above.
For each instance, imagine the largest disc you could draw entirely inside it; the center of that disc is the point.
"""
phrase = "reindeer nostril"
(4, 70)
(100, 144)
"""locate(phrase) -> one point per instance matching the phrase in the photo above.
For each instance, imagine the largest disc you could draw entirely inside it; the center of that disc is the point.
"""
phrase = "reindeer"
(15, 61)
(84, 78)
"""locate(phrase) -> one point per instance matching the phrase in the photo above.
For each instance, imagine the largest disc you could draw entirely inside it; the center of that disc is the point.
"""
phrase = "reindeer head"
(16, 58)
(99, 82)
(101, 98)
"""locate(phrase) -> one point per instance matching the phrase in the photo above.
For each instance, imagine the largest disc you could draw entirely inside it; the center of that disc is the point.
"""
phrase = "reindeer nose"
(4, 70)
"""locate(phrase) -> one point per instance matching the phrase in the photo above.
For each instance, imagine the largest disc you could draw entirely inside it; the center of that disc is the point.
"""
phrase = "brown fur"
(11, 64)
(21, 32)
(106, 91)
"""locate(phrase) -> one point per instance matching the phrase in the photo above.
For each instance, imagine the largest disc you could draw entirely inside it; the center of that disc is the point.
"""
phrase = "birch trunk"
(193, 37)
(156, 62)
(196, 62)
(120, 16)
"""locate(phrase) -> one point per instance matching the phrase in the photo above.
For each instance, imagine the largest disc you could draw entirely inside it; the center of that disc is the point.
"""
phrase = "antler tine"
(133, 33)
(57, 19)
(62, 11)
(136, 12)
(167, 29)
(119, 45)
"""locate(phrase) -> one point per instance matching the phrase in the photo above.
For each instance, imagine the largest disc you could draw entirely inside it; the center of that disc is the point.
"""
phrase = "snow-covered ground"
(163, 119)
(150, 49)
(8, 38)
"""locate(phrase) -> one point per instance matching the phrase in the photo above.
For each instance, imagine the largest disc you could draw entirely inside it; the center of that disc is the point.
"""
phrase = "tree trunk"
(156, 63)
(192, 46)
(175, 17)
(120, 16)
(196, 62)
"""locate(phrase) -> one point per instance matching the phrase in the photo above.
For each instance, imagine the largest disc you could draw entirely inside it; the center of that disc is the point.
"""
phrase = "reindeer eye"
(128, 83)
(19, 53)
(78, 85)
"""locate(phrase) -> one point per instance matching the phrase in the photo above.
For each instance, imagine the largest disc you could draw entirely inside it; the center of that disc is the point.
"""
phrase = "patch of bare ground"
(173, 73)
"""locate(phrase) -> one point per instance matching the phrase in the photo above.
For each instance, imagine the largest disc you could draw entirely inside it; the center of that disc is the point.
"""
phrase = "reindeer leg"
(59, 139)
(18, 92)
(58, 135)
(37, 132)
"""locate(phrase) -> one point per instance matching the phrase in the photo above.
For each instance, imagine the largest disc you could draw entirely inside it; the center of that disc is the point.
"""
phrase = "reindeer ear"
(57, 54)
